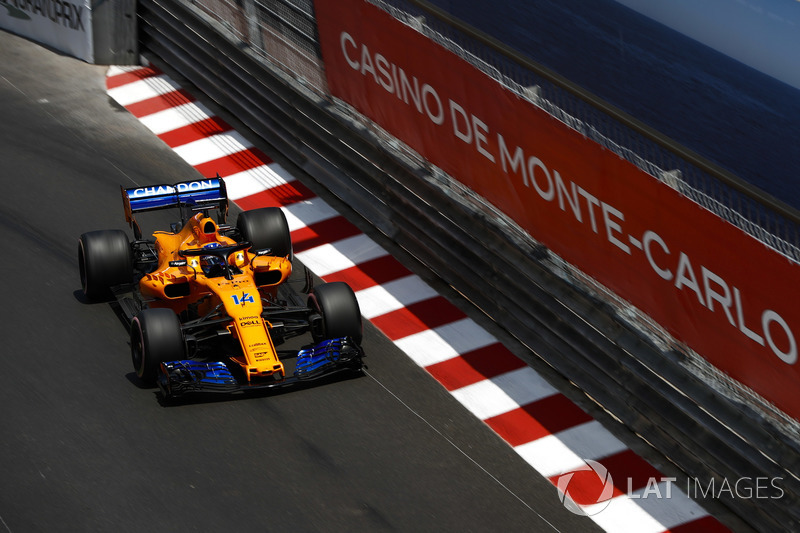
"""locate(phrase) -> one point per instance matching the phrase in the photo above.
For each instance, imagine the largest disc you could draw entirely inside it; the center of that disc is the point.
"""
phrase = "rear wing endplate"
(188, 196)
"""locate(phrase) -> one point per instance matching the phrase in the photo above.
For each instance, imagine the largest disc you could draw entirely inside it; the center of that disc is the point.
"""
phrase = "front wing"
(326, 358)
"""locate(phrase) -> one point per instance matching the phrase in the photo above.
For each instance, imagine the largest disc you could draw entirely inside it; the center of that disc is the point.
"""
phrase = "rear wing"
(188, 196)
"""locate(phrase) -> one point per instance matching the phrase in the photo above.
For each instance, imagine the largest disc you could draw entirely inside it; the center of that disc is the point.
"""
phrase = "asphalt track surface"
(83, 448)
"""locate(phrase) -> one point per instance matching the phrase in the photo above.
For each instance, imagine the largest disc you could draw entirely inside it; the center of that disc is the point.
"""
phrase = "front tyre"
(105, 259)
(337, 305)
(266, 228)
(156, 338)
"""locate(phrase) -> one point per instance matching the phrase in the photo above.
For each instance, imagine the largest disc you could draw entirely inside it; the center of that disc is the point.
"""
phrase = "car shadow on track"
(207, 398)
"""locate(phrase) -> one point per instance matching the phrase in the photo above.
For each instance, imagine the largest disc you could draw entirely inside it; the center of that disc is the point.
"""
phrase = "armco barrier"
(704, 434)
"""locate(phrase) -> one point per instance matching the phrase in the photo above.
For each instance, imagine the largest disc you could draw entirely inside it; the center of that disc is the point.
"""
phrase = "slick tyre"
(266, 228)
(156, 338)
(337, 305)
(105, 259)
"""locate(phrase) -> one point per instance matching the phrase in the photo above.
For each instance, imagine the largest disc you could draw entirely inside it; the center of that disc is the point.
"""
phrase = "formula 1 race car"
(207, 303)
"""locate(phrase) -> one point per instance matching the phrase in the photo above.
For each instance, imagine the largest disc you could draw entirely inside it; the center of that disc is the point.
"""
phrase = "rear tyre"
(156, 338)
(337, 305)
(266, 228)
(105, 259)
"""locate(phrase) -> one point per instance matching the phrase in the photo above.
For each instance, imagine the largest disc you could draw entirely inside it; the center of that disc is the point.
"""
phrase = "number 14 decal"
(243, 299)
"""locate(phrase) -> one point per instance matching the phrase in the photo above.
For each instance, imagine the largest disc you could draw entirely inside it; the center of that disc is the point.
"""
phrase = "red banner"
(708, 283)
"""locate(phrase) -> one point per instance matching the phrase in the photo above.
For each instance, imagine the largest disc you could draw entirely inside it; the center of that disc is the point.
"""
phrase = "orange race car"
(208, 303)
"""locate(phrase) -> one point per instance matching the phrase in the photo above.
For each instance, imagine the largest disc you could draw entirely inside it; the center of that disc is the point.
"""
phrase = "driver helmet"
(211, 264)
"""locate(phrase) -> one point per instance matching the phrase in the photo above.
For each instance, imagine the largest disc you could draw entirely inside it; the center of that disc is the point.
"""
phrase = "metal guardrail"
(554, 326)
(280, 33)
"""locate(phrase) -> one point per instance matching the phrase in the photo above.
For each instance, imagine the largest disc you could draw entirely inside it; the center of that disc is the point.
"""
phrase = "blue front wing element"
(325, 356)
(194, 375)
